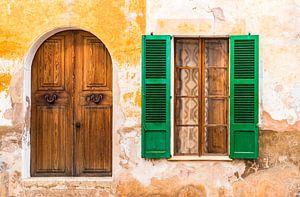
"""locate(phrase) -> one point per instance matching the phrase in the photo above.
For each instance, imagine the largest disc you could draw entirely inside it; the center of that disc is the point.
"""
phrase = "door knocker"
(96, 98)
(50, 98)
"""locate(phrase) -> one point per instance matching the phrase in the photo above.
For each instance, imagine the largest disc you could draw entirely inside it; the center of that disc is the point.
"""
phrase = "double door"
(71, 107)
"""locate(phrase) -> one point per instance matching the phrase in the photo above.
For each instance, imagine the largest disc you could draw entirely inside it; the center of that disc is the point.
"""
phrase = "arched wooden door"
(71, 108)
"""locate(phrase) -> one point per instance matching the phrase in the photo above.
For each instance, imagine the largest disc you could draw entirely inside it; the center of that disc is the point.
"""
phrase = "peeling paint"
(120, 24)
(123, 42)
(268, 123)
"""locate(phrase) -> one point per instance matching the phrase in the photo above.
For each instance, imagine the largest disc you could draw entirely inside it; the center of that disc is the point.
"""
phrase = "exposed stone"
(279, 147)
(190, 191)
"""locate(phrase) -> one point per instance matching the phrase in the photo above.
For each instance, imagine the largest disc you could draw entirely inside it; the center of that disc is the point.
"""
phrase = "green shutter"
(244, 96)
(156, 96)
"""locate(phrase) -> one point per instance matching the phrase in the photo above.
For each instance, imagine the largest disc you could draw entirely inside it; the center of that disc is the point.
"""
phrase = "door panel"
(94, 139)
(51, 108)
(94, 64)
(51, 64)
(51, 141)
(93, 107)
(71, 111)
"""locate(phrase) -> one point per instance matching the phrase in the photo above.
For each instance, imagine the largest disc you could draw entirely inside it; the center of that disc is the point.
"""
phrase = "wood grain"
(51, 124)
(71, 65)
(93, 70)
(216, 95)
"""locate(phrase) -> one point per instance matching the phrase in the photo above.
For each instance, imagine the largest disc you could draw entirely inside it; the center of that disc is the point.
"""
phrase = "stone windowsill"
(200, 158)
(82, 182)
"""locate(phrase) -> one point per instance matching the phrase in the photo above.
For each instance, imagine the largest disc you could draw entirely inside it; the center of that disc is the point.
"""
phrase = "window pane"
(187, 82)
(187, 140)
(215, 111)
(215, 139)
(187, 52)
(216, 95)
(216, 82)
(186, 111)
(216, 53)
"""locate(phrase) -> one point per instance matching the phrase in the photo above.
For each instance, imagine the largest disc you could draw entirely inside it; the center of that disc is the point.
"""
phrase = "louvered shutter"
(244, 96)
(156, 96)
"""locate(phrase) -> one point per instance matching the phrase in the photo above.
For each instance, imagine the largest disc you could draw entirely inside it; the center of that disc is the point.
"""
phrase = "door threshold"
(61, 182)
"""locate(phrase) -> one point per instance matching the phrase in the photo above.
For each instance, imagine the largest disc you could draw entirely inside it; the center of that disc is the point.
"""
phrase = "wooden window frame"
(201, 97)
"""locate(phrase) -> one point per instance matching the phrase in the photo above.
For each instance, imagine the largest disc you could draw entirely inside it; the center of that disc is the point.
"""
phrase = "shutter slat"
(244, 96)
(156, 96)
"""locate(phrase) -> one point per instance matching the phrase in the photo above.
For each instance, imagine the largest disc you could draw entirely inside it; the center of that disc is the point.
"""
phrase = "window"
(201, 89)
(202, 117)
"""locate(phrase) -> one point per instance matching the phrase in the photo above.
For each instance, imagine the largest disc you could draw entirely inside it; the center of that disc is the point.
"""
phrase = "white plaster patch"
(68, 2)
(282, 104)
(131, 16)
(148, 171)
(131, 122)
(5, 104)
(9, 66)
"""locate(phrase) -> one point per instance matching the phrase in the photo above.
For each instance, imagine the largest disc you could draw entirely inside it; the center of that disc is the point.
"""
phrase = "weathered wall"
(120, 24)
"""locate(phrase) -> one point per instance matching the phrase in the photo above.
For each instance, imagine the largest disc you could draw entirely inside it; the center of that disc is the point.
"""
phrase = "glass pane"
(186, 111)
(187, 140)
(216, 82)
(215, 111)
(216, 53)
(187, 82)
(216, 139)
(187, 52)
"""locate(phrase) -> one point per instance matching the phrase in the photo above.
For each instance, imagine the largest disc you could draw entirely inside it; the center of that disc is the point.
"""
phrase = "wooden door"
(71, 110)
(93, 111)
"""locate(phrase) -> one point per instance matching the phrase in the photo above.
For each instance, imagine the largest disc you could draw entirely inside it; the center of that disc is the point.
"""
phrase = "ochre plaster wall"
(120, 24)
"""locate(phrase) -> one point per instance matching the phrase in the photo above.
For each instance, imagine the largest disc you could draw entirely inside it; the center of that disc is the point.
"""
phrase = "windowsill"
(200, 158)
(104, 182)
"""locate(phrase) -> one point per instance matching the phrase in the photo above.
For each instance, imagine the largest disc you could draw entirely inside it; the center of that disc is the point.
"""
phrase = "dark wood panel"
(217, 139)
(216, 82)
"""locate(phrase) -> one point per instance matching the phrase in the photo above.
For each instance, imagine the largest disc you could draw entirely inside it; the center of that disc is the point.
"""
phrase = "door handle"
(50, 98)
(96, 98)
(77, 124)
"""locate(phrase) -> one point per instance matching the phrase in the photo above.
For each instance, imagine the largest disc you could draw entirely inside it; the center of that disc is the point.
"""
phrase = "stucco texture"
(119, 24)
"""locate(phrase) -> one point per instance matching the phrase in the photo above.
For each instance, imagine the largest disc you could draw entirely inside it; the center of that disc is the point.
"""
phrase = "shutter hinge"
(170, 97)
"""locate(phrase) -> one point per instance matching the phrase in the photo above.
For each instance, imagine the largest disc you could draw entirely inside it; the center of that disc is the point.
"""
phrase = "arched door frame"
(27, 96)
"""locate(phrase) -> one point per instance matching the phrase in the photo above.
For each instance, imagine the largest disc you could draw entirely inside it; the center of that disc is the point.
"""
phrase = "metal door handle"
(96, 98)
(50, 98)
